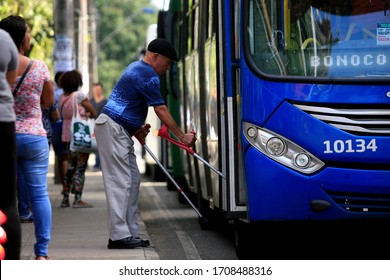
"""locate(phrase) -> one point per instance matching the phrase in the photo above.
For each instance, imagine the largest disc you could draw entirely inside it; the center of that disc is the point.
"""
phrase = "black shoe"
(125, 243)
(145, 242)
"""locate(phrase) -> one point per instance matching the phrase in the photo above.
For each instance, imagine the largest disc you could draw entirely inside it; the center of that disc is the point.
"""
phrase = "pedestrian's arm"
(89, 108)
(47, 97)
(165, 116)
(11, 76)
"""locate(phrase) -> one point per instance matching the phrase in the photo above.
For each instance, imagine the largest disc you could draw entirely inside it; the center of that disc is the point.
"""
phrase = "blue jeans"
(23, 199)
(97, 161)
(33, 162)
(59, 147)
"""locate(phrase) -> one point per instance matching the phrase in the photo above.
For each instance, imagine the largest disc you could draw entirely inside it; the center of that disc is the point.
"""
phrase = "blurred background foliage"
(123, 48)
(126, 17)
(39, 16)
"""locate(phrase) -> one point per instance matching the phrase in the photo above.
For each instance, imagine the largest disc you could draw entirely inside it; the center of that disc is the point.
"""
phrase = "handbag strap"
(63, 103)
(75, 105)
(22, 78)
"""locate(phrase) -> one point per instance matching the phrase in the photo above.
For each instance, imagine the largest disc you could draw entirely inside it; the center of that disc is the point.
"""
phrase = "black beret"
(163, 47)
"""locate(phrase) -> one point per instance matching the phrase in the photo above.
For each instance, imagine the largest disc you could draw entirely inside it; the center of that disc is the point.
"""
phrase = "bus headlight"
(301, 160)
(275, 146)
(281, 149)
(252, 132)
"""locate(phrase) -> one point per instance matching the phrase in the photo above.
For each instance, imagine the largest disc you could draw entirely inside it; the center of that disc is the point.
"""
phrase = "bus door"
(229, 40)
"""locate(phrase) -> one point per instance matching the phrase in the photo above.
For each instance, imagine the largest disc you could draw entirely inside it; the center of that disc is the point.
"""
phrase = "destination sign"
(352, 59)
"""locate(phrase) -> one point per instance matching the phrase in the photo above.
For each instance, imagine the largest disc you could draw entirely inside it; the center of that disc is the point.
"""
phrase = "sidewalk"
(81, 234)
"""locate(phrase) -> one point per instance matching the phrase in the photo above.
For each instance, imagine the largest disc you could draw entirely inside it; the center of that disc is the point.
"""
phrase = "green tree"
(113, 56)
(124, 23)
(39, 16)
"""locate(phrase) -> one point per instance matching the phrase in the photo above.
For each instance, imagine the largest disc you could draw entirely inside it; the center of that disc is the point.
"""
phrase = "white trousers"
(121, 177)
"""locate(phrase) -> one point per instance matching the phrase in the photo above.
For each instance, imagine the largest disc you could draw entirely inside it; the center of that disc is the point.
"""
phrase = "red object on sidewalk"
(3, 235)
(3, 218)
(2, 253)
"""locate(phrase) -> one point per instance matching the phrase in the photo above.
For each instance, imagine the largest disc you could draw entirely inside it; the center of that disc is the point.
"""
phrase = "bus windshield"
(317, 38)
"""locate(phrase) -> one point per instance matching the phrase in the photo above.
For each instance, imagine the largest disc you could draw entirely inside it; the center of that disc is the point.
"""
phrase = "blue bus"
(290, 99)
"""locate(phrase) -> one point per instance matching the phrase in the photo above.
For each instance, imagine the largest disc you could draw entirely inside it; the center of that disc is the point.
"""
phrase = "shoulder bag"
(22, 78)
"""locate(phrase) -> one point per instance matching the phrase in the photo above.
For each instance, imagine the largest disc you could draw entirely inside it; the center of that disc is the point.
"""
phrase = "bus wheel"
(204, 223)
(210, 219)
(243, 241)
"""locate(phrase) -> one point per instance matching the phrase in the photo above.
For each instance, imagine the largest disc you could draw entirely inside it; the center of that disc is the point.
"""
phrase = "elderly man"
(121, 118)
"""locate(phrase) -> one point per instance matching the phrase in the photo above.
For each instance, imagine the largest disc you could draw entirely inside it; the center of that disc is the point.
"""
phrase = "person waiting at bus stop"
(121, 118)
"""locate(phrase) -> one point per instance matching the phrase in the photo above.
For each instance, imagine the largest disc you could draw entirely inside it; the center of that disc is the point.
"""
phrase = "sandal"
(81, 204)
(65, 202)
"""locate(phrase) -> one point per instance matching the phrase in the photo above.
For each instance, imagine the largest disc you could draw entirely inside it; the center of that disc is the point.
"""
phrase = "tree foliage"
(125, 16)
(39, 16)
(128, 21)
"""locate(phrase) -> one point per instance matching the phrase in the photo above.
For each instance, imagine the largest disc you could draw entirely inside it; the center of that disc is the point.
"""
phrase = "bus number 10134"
(349, 146)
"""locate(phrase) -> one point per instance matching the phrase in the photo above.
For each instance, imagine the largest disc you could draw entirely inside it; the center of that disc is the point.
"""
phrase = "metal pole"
(63, 53)
(64, 35)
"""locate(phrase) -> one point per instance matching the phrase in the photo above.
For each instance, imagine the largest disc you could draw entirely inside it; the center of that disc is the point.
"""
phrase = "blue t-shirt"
(136, 90)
